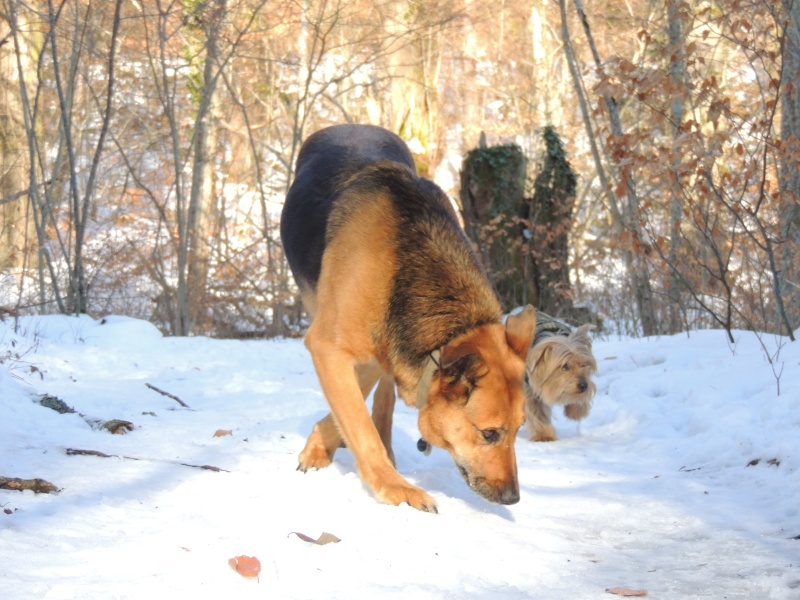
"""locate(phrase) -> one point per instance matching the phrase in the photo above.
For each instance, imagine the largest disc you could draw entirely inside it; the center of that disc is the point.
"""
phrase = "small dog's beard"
(577, 411)
(565, 392)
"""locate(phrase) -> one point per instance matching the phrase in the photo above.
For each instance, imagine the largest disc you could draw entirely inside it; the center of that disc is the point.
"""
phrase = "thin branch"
(168, 395)
(97, 453)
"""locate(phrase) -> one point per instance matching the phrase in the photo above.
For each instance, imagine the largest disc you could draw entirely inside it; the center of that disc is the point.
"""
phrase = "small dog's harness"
(423, 386)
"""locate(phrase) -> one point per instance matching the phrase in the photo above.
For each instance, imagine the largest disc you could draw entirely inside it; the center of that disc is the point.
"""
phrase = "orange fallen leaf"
(627, 592)
(325, 538)
(246, 566)
(222, 432)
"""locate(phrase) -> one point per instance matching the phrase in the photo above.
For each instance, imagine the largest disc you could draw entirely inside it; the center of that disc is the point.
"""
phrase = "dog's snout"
(510, 495)
(583, 385)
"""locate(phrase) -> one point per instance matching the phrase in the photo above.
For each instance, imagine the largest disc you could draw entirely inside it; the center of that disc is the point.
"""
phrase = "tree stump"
(549, 221)
(523, 242)
(492, 202)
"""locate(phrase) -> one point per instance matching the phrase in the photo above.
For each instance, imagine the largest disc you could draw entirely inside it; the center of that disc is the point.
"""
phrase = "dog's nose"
(582, 386)
(510, 495)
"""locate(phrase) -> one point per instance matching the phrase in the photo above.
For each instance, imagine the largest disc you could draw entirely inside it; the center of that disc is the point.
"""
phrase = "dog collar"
(424, 384)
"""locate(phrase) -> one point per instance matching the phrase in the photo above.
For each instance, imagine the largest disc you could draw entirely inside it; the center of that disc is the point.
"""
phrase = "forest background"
(146, 147)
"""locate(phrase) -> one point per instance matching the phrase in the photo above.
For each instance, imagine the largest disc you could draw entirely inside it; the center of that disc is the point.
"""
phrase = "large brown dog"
(396, 293)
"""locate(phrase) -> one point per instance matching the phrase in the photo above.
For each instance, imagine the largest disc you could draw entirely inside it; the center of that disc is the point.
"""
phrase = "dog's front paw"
(545, 436)
(576, 412)
(543, 432)
(313, 457)
(320, 446)
(413, 496)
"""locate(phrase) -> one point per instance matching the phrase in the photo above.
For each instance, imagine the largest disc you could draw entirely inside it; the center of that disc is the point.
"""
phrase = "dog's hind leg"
(325, 438)
(383, 411)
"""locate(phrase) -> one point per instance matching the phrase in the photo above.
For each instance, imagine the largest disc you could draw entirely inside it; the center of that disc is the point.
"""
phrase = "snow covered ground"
(684, 481)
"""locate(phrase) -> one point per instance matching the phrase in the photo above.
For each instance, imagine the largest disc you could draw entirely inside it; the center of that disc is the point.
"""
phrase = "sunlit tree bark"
(790, 164)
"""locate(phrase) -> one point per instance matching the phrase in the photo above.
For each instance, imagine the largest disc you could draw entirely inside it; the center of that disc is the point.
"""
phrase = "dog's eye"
(490, 435)
(565, 367)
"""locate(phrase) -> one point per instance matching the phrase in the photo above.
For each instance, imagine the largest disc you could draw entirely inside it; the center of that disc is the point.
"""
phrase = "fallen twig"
(81, 452)
(168, 395)
(39, 486)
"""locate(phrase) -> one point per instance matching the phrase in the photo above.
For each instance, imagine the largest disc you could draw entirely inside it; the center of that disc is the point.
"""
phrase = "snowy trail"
(654, 492)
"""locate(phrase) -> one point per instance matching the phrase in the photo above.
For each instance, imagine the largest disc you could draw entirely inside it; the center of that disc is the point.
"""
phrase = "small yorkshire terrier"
(559, 371)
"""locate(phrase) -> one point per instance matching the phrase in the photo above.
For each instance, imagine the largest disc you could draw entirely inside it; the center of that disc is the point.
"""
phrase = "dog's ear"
(520, 329)
(540, 353)
(456, 361)
(581, 336)
(459, 369)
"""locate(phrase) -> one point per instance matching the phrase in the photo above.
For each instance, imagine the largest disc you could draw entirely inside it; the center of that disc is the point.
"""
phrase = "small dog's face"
(560, 368)
(475, 406)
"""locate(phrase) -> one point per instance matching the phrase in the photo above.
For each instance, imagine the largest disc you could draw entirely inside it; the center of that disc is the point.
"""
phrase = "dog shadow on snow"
(437, 473)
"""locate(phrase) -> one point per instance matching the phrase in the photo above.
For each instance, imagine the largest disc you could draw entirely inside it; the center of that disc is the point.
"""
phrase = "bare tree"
(14, 226)
(677, 73)
(789, 280)
(65, 173)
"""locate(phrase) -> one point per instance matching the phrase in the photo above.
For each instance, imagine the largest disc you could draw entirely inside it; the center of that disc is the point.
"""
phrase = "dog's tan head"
(560, 368)
(474, 404)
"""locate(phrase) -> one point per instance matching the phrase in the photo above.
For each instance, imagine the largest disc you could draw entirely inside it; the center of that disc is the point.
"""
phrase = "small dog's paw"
(544, 433)
(576, 412)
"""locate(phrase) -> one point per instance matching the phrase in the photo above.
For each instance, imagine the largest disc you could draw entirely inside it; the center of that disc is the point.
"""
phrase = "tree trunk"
(549, 222)
(76, 296)
(638, 271)
(789, 279)
(14, 224)
(201, 198)
(38, 194)
(413, 69)
(677, 71)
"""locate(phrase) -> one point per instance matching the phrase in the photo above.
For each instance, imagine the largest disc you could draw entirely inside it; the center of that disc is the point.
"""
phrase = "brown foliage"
(686, 187)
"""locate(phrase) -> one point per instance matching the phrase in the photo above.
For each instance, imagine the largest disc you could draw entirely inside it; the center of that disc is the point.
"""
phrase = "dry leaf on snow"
(222, 432)
(325, 538)
(627, 592)
(118, 426)
(246, 566)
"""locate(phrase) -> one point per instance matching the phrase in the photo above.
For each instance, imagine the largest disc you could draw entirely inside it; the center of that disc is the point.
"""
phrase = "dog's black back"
(326, 160)
(439, 289)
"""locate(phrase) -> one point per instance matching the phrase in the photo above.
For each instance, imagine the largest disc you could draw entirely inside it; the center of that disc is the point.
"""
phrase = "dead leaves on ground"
(250, 566)
(222, 433)
(325, 538)
(117, 426)
(246, 566)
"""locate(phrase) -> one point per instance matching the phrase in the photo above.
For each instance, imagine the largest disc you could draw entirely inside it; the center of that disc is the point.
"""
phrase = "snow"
(655, 490)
